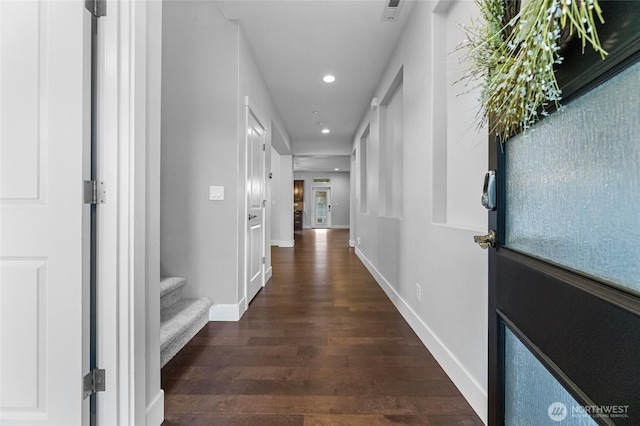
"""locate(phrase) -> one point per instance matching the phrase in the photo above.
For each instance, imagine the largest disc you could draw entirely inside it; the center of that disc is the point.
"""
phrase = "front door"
(44, 147)
(564, 271)
(321, 217)
(255, 206)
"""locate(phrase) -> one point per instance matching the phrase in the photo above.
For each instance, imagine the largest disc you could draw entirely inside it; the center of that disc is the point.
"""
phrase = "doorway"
(321, 208)
(564, 292)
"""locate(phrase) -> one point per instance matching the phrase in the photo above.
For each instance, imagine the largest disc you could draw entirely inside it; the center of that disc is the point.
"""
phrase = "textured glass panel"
(532, 395)
(573, 184)
(321, 207)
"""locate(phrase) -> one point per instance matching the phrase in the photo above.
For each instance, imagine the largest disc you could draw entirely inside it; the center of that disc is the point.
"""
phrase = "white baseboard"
(155, 410)
(352, 243)
(267, 274)
(290, 243)
(275, 243)
(231, 312)
(473, 391)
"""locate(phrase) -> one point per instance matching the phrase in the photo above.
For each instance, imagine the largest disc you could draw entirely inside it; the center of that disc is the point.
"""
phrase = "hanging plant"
(512, 59)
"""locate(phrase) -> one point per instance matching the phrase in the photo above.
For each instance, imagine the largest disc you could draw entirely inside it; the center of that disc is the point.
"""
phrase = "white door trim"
(114, 228)
(124, 133)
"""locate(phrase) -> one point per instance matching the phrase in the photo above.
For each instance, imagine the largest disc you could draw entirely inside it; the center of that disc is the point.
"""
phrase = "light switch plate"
(216, 193)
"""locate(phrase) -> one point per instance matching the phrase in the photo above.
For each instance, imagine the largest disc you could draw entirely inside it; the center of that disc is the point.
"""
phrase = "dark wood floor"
(321, 344)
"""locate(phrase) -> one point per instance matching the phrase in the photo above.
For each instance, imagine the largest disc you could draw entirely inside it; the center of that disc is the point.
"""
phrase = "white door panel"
(43, 135)
(255, 195)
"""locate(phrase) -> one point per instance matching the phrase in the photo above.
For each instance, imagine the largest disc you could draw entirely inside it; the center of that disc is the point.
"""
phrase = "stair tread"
(180, 316)
(168, 284)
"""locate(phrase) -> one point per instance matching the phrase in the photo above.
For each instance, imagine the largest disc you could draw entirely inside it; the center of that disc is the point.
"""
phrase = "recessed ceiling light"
(336, 169)
(315, 112)
(328, 78)
(325, 131)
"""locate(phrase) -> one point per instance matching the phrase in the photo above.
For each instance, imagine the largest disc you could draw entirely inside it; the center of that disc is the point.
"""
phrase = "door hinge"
(264, 146)
(94, 382)
(264, 260)
(94, 192)
(97, 8)
(264, 203)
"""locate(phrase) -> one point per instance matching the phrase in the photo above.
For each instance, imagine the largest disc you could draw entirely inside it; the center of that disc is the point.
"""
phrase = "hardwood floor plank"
(363, 420)
(290, 404)
(455, 421)
(233, 420)
(321, 344)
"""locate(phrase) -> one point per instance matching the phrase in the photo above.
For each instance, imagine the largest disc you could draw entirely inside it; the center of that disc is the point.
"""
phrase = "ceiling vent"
(391, 11)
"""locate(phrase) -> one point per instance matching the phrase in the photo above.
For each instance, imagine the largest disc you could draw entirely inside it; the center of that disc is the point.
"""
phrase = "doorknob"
(252, 216)
(486, 241)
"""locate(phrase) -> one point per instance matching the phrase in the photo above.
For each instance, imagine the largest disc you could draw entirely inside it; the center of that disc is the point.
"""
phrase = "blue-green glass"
(532, 395)
(573, 184)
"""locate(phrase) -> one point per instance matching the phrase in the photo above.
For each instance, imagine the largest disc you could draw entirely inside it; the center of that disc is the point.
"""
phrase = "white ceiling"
(296, 42)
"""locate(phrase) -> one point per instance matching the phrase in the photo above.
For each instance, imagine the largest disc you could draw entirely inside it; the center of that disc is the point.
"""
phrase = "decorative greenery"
(514, 61)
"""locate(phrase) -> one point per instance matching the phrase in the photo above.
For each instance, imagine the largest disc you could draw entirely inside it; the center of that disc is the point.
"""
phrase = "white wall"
(444, 163)
(204, 89)
(286, 201)
(281, 200)
(199, 134)
(353, 181)
(340, 194)
(274, 197)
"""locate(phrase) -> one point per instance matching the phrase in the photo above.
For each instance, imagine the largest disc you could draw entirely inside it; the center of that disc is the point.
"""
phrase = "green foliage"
(514, 63)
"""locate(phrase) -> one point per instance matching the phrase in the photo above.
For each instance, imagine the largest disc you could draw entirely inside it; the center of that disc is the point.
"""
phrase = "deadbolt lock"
(486, 241)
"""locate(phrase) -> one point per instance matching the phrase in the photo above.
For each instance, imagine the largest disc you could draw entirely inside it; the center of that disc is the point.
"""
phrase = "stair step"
(179, 323)
(170, 290)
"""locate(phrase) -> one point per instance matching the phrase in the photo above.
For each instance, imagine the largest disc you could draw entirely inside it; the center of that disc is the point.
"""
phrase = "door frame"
(251, 112)
(313, 207)
(582, 293)
(128, 260)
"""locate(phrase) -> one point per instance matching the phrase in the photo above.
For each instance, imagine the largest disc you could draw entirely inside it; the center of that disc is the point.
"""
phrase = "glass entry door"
(564, 270)
(321, 208)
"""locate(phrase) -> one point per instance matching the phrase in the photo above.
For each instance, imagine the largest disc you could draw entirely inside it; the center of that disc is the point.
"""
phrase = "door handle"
(252, 216)
(486, 241)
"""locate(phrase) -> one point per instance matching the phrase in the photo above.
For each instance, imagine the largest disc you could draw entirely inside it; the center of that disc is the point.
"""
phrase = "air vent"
(391, 11)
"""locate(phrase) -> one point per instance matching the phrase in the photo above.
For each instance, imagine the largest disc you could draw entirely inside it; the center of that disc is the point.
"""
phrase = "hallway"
(321, 344)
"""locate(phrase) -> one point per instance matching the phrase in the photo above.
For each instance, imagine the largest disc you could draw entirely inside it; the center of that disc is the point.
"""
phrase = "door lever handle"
(486, 241)
(252, 216)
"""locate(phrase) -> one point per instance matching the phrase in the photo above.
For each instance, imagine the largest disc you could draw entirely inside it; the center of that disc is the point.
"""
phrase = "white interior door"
(44, 143)
(321, 216)
(255, 207)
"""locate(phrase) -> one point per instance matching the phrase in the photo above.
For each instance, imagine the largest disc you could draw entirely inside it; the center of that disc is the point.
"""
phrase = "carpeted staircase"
(180, 319)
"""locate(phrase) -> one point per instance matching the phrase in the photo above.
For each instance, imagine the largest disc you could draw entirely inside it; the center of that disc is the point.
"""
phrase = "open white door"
(44, 141)
(254, 254)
